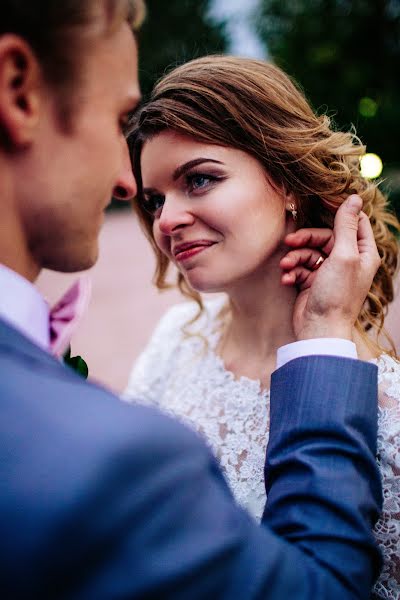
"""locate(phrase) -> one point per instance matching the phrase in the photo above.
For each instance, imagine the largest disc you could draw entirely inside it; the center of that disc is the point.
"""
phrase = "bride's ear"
(291, 205)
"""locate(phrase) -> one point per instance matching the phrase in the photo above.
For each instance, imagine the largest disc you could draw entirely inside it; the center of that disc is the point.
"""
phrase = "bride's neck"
(260, 316)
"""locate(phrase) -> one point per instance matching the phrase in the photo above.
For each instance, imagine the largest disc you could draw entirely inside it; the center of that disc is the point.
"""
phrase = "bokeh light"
(367, 107)
(370, 165)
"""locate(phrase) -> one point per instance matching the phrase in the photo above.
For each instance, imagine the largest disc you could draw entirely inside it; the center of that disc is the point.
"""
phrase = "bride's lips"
(188, 249)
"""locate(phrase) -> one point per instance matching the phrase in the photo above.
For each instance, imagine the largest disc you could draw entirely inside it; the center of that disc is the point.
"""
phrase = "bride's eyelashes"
(195, 184)
(198, 183)
(152, 204)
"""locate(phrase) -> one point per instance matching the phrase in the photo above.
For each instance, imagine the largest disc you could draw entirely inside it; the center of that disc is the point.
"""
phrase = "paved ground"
(125, 305)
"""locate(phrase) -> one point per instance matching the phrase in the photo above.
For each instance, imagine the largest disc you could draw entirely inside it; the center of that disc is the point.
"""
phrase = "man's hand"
(331, 297)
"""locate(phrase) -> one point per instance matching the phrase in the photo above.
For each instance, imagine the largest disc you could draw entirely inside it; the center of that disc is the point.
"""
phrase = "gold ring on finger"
(317, 263)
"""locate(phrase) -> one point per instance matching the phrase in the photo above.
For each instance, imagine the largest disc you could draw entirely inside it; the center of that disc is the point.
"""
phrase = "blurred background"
(346, 56)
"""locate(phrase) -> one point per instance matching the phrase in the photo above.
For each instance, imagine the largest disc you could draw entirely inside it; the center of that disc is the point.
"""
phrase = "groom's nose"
(125, 187)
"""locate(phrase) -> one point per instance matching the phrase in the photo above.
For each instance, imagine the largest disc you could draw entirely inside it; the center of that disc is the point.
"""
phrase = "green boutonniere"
(76, 363)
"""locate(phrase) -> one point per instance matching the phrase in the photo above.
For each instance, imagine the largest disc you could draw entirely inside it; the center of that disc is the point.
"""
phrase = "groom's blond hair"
(59, 32)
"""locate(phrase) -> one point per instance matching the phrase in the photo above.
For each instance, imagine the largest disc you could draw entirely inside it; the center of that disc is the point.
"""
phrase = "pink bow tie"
(65, 315)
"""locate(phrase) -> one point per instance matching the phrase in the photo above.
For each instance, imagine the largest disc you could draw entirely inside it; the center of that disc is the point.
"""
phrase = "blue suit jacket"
(102, 500)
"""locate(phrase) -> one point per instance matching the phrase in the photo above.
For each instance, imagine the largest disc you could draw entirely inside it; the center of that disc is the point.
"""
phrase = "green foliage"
(174, 32)
(346, 55)
(76, 363)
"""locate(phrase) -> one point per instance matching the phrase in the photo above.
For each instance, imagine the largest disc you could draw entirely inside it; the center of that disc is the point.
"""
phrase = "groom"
(101, 500)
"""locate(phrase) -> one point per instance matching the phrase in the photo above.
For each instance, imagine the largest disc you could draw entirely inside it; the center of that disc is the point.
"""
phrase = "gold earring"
(292, 208)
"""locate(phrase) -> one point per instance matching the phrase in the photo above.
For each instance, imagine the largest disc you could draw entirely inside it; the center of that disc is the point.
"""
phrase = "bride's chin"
(204, 286)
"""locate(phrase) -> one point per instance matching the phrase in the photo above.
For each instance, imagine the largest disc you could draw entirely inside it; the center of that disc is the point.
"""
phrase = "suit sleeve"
(162, 523)
(323, 483)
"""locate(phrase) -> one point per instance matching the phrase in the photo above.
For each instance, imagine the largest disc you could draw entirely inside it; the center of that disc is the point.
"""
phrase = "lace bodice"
(184, 377)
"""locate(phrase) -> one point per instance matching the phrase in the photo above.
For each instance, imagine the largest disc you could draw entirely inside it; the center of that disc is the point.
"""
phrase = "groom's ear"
(21, 86)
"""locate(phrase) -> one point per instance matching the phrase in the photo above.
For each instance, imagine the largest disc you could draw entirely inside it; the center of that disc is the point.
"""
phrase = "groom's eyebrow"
(192, 163)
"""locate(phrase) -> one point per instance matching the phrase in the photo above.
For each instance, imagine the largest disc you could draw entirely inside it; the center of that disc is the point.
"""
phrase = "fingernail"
(354, 202)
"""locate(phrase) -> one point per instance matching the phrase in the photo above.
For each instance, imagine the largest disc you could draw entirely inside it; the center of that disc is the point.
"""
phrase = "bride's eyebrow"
(192, 163)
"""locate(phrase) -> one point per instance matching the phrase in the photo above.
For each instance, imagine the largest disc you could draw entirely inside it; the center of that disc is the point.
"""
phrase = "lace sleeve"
(147, 380)
(387, 530)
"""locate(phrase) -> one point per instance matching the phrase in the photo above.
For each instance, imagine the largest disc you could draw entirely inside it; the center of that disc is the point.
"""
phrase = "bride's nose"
(174, 215)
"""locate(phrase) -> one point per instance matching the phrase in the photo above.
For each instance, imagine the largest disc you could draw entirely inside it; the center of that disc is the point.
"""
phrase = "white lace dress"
(184, 377)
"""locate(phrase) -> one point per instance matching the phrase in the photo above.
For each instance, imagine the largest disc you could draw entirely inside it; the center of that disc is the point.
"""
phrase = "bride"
(231, 164)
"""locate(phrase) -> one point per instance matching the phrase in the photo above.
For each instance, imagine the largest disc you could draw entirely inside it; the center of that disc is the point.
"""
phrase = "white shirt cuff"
(320, 346)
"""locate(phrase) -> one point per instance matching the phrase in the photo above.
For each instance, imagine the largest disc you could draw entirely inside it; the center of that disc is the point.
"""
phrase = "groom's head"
(68, 80)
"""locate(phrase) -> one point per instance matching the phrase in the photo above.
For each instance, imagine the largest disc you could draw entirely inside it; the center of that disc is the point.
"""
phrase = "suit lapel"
(13, 340)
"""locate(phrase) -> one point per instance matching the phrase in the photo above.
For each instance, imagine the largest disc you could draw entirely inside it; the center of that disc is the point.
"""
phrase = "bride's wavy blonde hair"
(255, 107)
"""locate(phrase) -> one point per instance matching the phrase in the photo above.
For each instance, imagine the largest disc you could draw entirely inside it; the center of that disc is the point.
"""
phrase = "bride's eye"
(199, 181)
(153, 204)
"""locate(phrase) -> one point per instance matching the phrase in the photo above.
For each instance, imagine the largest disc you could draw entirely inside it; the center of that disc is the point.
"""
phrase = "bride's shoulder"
(388, 452)
(389, 383)
(388, 367)
(190, 316)
(178, 315)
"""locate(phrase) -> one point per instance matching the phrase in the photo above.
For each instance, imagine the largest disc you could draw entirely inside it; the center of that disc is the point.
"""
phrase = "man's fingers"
(311, 238)
(299, 276)
(346, 226)
(369, 254)
(305, 257)
(365, 235)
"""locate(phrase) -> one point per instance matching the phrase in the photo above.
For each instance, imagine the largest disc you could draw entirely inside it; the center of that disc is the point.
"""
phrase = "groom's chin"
(71, 261)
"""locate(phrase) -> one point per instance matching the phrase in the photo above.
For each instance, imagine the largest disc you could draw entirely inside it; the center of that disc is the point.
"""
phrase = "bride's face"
(216, 216)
